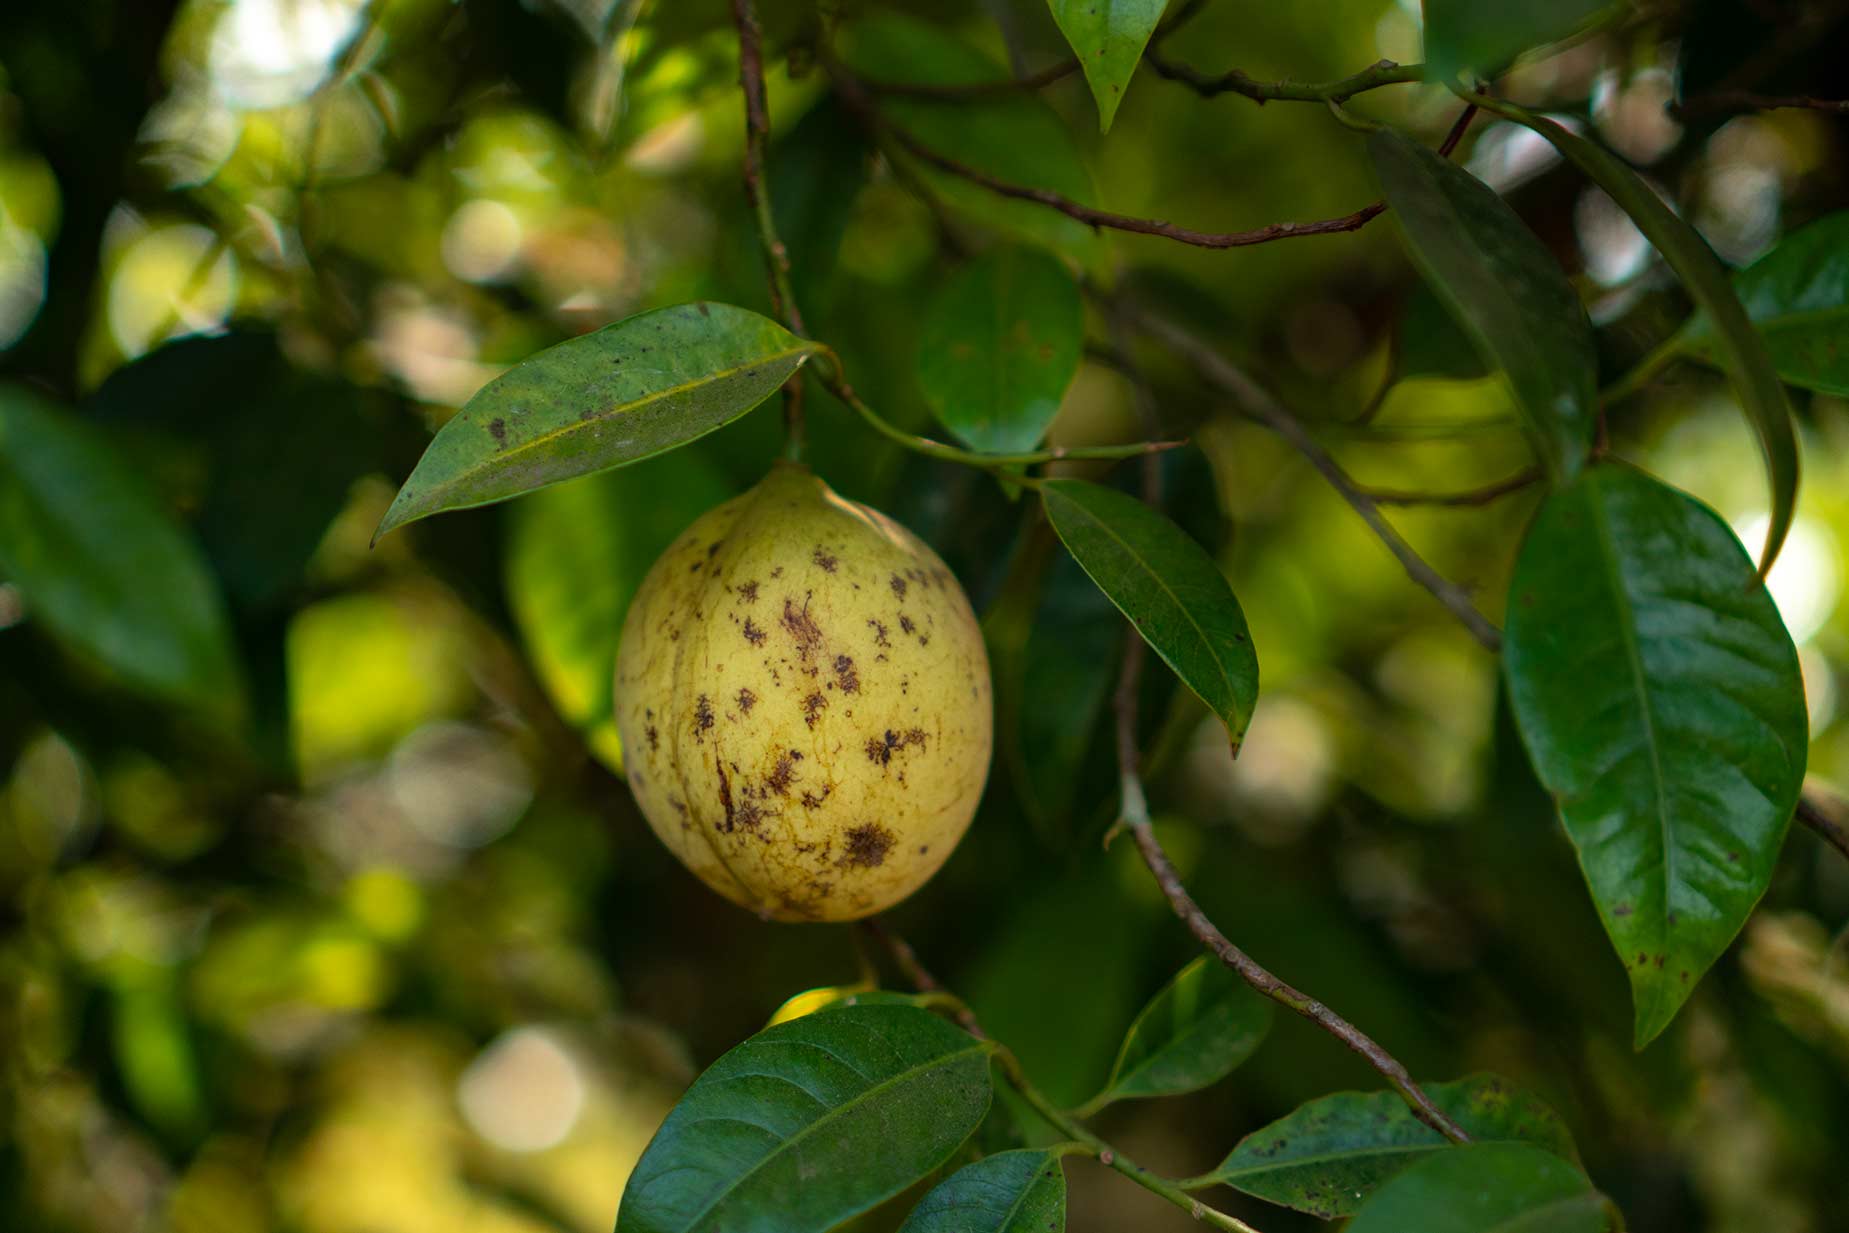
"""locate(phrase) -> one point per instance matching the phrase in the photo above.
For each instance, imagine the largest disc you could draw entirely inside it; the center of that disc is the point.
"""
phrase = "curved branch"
(1254, 398)
(1233, 81)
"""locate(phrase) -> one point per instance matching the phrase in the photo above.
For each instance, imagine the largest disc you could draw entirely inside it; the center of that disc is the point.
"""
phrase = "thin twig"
(1136, 819)
(1824, 819)
(1732, 102)
(1475, 496)
(916, 972)
(1232, 381)
(1233, 81)
(1124, 222)
(757, 193)
(1068, 1125)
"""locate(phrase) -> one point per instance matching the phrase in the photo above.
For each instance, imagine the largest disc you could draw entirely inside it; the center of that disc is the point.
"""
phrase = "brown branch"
(757, 194)
(916, 972)
(1136, 819)
(1124, 222)
(1475, 496)
(1233, 81)
(1731, 102)
(1231, 380)
(1823, 814)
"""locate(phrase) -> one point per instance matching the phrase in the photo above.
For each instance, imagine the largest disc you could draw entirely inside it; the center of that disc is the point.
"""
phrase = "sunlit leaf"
(1328, 1156)
(1797, 297)
(631, 390)
(809, 1001)
(1504, 287)
(1469, 37)
(1108, 37)
(1014, 136)
(999, 345)
(1487, 1188)
(100, 563)
(1169, 588)
(1193, 1033)
(1659, 696)
(810, 1122)
(1737, 344)
(576, 552)
(1009, 1192)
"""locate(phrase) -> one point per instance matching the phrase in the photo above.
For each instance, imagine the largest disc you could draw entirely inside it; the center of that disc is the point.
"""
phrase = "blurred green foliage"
(394, 952)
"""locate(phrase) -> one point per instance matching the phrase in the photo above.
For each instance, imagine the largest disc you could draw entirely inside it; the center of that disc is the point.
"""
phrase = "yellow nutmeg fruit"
(804, 703)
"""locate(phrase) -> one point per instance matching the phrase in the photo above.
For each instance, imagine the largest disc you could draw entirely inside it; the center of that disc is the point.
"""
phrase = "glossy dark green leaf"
(628, 391)
(1108, 37)
(1659, 697)
(1014, 136)
(1328, 1156)
(810, 1122)
(1738, 345)
(999, 345)
(1468, 37)
(1193, 1033)
(1169, 588)
(1432, 343)
(1504, 287)
(821, 165)
(100, 563)
(576, 552)
(1009, 1192)
(1487, 1188)
(1797, 297)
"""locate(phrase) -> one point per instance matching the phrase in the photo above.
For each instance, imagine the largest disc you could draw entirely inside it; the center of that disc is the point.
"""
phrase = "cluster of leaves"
(1652, 681)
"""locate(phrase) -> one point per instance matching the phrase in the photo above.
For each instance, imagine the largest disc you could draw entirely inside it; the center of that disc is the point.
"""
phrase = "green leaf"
(1108, 37)
(1326, 1157)
(1738, 345)
(1015, 136)
(1194, 1033)
(1432, 343)
(810, 1122)
(1487, 1188)
(1009, 1192)
(1169, 588)
(1659, 697)
(1470, 37)
(576, 552)
(628, 391)
(1797, 296)
(1001, 342)
(100, 563)
(1504, 287)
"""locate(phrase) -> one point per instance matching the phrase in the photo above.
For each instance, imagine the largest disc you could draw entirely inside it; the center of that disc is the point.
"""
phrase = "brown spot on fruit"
(905, 624)
(802, 628)
(823, 559)
(813, 800)
(867, 846)
(880, 749)
(654, 738)
(845, 676)
(702, 715)
(753, 634)
(748, 591)
(879, 633)
(746, 700)
(746, 814)
(812, 708)
(782, 775)
(897, 584)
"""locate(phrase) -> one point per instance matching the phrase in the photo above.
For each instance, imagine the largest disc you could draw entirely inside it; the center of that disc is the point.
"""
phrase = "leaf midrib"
(1627, 629)
(941, 1060)
(1200, 632)
(492, 461)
